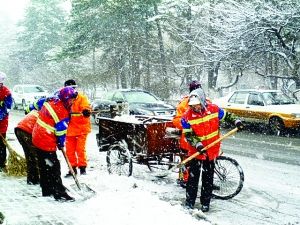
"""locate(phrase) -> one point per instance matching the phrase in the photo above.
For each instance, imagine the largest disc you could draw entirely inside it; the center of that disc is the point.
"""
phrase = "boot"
(69, 174)
(63, 197)
(82, 170)
(189, 205)
(3, 169)
(47, 192)
(32, 182)
(204, 208)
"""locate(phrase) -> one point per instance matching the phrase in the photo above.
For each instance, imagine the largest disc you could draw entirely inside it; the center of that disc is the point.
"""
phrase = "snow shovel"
(181, 165)
(16, 164)
(84, 190)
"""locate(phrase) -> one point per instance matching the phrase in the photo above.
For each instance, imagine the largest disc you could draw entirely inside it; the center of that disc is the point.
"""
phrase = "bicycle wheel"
(228, 178)
(119, 160)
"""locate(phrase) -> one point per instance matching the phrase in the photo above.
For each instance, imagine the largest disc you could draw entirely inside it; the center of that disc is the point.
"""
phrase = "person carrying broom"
(5, 105)
(23, 133)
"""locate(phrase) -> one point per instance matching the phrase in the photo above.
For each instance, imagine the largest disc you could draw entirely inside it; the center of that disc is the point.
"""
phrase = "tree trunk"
(147, 59)
(165, 92)
(121, 70)
(134, 65)
(188, 69)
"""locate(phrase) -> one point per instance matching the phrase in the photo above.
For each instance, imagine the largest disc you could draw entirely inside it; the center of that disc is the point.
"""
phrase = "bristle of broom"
(16, 165)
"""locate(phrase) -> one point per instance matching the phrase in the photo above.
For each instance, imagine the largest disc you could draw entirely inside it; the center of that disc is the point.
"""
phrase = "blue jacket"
(5, 102)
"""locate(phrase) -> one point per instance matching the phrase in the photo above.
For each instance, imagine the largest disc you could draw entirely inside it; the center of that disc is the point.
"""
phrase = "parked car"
(271, 107)
(24, 94)
(131, 101)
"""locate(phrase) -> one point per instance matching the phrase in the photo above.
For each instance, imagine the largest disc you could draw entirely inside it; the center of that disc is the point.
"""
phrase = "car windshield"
(140, 97)
(276, 98)
(33, 89)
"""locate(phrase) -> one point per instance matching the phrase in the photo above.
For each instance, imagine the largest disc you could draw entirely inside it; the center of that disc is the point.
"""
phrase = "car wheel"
(23, 104)
(276, 125)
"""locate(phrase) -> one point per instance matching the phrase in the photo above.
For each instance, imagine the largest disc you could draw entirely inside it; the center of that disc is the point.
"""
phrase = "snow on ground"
(119, 200)
(271, 195)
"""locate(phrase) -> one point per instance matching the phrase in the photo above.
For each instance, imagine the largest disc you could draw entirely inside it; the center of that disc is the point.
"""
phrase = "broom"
(16, 164)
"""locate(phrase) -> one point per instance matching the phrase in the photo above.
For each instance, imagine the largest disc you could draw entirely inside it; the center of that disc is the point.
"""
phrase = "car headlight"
(296, 115)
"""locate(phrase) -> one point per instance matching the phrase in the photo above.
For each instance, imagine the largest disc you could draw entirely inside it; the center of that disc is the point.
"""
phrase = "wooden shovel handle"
(71, 168)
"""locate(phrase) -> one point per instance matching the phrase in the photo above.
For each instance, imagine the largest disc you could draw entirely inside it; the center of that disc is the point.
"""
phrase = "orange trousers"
(75, 149)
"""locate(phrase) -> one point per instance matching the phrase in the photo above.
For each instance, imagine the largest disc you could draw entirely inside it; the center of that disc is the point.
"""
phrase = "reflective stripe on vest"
(35, 113)
(199, 121)
(187, 130)
(51, 111)
(35, 105)
(76, 114)
(204, 119)
(60, 133)
(55, 118)
(45, 125)
(202, 138)
(209, 136)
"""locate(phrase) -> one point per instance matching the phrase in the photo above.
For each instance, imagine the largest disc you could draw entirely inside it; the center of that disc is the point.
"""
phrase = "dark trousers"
(193, 181)
(3, 153)
(30, 152)
(50, 175)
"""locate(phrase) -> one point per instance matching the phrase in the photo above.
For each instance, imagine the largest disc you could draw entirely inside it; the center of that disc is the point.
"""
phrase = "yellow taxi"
(271, 107)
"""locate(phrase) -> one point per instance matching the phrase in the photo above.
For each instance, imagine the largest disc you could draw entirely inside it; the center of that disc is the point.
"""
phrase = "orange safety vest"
(28, 122)
(205, 127)
(181, 108)
(44, 135)
(78, 123)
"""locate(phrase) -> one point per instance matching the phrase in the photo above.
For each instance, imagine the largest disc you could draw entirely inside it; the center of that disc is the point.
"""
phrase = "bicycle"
(228, 178)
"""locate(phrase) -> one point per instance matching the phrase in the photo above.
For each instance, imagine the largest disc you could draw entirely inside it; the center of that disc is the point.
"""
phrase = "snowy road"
(271, 195)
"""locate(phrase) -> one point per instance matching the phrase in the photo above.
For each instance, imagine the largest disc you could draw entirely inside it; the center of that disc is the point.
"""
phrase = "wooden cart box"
(144, 135)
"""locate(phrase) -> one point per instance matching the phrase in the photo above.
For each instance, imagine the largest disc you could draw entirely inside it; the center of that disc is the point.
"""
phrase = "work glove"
(199, 147)
(238, 123)
(86, 113)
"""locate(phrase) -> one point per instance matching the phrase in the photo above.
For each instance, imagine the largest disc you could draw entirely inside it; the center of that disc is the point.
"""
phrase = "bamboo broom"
(16, 164)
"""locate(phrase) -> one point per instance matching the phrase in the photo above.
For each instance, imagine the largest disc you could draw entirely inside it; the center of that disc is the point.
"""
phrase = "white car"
(271, 107)
(24, 94)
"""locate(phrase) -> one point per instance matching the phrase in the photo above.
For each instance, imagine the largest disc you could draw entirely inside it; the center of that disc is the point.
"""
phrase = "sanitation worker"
(78, 130)
(5, 105)
(201, 127)
(180, 110)
(23, 133)
(48, 135)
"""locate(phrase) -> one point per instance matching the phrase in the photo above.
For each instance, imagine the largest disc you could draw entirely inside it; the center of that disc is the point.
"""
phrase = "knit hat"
(70, 83)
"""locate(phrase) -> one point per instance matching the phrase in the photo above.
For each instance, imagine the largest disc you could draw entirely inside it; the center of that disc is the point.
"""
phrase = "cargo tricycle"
(145, 140)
